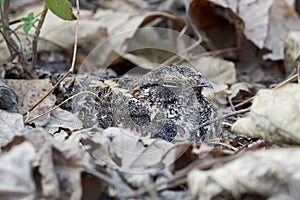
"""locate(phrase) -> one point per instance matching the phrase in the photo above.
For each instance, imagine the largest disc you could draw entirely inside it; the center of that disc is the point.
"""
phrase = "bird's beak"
(205, 84)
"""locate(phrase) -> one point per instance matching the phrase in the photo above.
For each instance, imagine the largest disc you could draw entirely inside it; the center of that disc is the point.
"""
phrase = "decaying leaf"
(60, 165)
(11, 124)
(216, 70)
(241, 91)
(274, 116)
(132, 153)
(16, 173)
(291, 51)
(29, 92)
(60, 118)
(264, 22)
(266, 173)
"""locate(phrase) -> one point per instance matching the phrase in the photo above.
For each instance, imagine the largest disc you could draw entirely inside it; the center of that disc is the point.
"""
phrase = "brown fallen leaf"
(16, 173)
(292, 51)
(264, 22)
(29, 92)
(60, 118)
(60, 165)
(11, 124)
(271, 174)
(274, 116)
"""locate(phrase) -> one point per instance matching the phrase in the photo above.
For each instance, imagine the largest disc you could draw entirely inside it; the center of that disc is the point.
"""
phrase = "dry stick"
(36, 36)
(5, 27)
(224, 116)
(277, 86)
(191, 47)
(72, 65)
(48, 111)
(218, 52)
(299, 73)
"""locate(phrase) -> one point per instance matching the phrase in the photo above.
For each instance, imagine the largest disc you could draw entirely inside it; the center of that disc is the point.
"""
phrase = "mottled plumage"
(164, 103)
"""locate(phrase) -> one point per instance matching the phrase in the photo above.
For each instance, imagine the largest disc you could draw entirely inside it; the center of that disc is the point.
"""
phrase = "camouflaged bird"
(165, 103)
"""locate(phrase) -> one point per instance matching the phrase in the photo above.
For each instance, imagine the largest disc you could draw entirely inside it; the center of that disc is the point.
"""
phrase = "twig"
(224, 117)
(15, 50)
(12, 47)
(277, 86)
(218, 52)
(286, 81)
(36, 36)
(171, 59)
(298, 73)
(48, 111)
(225, 145)
(71, 70)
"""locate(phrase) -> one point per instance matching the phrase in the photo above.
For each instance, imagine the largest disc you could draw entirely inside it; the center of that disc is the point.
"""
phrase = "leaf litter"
(63, 157)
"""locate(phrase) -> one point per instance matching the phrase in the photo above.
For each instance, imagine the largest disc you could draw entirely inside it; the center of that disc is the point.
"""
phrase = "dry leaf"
(16, 173)
(270, 174)
(216, 70)
(136, 154)
(29, 92)
(60, 118)
(11, 124)
(265, 22)
(292, 51)
(274, 116)
(60, 165)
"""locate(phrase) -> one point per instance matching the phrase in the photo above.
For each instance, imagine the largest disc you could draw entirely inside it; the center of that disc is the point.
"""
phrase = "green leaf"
(28, 19)
(2, 1)
(61, 8)
(28, 22)
(26, 28)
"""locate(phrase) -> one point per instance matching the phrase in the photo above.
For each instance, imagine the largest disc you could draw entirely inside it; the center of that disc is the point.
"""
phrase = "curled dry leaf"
(269, 173)
(136, 154)
(264, 22)
(274, 116)
(121, 148)
(60, 165)
(16, 173)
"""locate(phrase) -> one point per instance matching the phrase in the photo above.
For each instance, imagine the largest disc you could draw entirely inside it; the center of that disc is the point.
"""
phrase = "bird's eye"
(170, 84)
(205, 84)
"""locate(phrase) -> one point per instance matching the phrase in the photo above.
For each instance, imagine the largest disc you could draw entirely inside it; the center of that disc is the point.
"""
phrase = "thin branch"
(71, 70)
(65, 101)
(298, 73)
(277, 86)
(224, 117)
(12, 46)
(36, 36)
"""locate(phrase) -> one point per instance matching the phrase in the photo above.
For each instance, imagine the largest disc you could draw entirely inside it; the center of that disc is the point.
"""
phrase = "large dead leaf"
(122, 149)
(274, 116)
(216, 70)
(11, 124)
(60, 165)
(271, 174)
(264, 22)
(16, 173)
